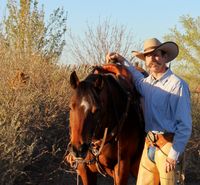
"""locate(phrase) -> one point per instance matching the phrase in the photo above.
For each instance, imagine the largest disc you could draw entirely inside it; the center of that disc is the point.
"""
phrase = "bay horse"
(106, 128)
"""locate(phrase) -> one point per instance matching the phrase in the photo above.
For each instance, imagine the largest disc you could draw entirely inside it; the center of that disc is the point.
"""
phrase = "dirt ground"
(100, 181)
(72, 180)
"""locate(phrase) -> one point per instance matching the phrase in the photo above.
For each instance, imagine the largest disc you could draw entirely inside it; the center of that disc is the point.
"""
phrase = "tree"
(27, 34)
(97, 41)
(188, 39)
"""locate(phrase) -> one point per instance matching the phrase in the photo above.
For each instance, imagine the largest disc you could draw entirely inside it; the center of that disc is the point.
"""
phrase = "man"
(167, 111)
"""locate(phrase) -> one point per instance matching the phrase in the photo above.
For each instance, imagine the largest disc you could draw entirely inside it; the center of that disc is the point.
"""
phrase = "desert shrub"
(34, 98)
(192, 153)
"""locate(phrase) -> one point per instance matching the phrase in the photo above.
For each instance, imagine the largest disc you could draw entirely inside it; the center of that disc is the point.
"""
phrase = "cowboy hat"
(153, 44)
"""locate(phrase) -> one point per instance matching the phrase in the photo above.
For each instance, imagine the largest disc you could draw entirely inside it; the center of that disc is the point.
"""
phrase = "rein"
(75, 161)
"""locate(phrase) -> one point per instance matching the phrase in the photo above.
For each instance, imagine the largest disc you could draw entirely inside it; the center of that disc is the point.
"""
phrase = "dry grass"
(33, 117)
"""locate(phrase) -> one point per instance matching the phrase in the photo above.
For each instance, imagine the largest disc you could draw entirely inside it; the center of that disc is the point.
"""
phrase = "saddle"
(122, 75)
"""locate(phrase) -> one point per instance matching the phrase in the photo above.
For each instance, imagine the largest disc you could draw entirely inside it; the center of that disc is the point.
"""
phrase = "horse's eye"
(95, 109)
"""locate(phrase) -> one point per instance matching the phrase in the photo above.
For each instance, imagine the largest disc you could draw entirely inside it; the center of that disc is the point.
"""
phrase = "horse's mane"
(117, 92)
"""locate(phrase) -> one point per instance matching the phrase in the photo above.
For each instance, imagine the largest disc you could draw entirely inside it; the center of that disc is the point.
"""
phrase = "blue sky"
(146, 18)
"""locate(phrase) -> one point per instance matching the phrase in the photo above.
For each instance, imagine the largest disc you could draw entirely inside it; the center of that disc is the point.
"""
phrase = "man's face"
(156, 62)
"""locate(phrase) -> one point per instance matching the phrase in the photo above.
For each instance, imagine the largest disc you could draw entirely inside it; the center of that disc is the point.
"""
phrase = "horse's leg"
(87, 177)
(121, 173)
(135, 168)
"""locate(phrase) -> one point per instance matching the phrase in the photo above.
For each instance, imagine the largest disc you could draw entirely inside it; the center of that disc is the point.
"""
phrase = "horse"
(106, 128)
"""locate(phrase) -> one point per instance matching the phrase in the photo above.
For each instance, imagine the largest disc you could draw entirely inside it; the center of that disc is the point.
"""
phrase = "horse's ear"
(74, 81)
(99, 82)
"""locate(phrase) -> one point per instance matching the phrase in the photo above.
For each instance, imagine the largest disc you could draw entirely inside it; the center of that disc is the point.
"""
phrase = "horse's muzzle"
(79, 152)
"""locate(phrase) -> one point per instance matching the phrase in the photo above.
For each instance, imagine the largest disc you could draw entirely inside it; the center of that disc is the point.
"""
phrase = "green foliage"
(55, 31)
(188, 39)
(26, 33)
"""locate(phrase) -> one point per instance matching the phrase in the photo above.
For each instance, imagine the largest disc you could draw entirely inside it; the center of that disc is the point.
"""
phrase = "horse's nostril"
(84, 148)
(78, 152)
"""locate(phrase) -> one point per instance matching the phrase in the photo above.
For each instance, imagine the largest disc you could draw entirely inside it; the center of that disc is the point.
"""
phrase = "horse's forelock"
(86, 94)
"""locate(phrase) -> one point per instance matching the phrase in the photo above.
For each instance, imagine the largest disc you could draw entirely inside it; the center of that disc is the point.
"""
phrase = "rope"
(103, 141)
(77, 179)
(118, 157)
(96, 154)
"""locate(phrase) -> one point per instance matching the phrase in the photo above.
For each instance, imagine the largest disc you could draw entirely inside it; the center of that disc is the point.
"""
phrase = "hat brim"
(171, 48)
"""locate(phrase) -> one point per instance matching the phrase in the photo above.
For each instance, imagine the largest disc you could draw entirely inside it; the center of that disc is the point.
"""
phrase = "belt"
(158, 140)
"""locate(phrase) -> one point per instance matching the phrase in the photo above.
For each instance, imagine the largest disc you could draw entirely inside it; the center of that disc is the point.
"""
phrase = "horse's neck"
(114, 108)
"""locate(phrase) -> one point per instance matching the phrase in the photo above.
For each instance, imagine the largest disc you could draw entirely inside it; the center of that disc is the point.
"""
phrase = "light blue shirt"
(166, 105)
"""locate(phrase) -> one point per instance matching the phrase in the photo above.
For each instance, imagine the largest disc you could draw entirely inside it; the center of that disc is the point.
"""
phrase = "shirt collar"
(164, 78)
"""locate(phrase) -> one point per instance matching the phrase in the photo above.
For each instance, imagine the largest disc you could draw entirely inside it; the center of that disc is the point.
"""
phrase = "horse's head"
(85, 109)
(98, 102)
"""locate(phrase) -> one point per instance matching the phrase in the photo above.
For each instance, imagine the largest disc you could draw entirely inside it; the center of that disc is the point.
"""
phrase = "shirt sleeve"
(180, 104)
(173, 154)
(137, 76)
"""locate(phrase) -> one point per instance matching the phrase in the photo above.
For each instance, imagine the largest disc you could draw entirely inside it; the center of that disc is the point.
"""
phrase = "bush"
(33, 120)
(193, 148)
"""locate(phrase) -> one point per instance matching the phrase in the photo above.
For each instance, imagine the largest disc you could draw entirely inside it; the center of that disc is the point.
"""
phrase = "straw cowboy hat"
(150, 45)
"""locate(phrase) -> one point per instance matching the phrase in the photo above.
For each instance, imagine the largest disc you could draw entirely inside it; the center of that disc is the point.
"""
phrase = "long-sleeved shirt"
(166, 106)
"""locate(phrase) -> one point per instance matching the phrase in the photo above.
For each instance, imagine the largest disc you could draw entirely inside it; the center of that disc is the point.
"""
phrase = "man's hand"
(115, 57)
(170, 164)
